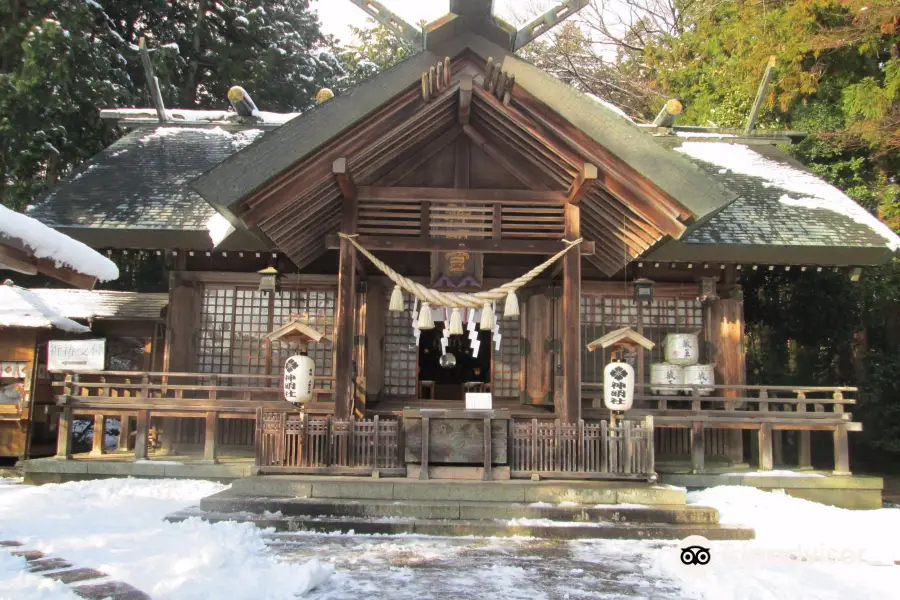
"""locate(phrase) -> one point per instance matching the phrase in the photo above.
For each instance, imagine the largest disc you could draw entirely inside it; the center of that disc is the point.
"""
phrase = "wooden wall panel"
(538, 330)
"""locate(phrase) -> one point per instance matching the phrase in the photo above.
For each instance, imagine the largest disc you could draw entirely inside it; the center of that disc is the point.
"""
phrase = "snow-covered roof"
(23, 308)
(135, 194)
(102, 304)
(794, 188)
(200, 116)
(44, 242)
(609, 105)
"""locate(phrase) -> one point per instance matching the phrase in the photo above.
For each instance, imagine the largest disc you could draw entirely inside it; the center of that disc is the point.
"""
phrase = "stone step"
(226, 502)
(538, 528)
(518, 490)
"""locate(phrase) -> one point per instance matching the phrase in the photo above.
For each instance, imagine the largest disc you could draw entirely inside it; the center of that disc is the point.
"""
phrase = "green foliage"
(373, 50)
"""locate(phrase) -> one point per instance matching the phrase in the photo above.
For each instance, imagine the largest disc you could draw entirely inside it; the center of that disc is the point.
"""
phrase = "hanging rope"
(459, 299)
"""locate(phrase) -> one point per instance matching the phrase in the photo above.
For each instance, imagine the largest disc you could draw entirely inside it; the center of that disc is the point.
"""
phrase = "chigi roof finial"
(476, 16)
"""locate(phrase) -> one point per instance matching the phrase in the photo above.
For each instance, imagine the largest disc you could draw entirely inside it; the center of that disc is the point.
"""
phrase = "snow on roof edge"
(46, 242)
(23, 308)
(814, 193)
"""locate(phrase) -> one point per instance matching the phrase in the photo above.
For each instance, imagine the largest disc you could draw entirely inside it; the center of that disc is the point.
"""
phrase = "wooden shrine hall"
(464, 223)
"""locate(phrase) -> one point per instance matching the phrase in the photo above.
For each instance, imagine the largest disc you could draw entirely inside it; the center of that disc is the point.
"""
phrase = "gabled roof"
(296, 329)
(621, 336)
(784, 214)
(135, 194)
(103, 304)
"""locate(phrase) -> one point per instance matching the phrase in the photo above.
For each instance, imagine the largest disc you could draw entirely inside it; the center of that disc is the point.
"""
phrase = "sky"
(338, 15)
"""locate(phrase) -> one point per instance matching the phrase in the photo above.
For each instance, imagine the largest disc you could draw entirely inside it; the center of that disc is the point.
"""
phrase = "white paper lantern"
(682, 349)
(618, 386)
(299, 371)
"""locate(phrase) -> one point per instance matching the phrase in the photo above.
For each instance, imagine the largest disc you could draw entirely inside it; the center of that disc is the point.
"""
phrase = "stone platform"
(547, 509)
(230, 466)
(844, 491)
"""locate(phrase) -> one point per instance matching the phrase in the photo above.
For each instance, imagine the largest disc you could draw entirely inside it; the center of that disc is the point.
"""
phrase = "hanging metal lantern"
(448, 361)
(269, 280)
(643, 290)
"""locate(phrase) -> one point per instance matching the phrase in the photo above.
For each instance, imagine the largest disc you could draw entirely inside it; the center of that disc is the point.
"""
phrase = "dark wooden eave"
(16, 259)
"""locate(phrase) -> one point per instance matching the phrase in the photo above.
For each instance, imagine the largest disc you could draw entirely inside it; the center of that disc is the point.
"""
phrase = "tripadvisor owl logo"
(695, 555)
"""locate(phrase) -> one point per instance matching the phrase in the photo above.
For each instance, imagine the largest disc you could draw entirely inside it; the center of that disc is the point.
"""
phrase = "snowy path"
(803, 551)
(412, 568)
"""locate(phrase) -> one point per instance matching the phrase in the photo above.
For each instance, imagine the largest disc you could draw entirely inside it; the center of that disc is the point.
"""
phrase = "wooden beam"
(152, 83)
(344, 319)
(419, 244)
(581, 184)
(462, 164)
(22, 262)
(420, 156)
(760, 96)
(342, 176)
(456, 195)
(569, 410)
(521, 173)
(465, 99)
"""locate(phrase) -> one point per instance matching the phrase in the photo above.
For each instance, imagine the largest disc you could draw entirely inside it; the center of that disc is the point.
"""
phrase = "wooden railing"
(767, 409)
(583, 450)
(300, 443)
(140, 395)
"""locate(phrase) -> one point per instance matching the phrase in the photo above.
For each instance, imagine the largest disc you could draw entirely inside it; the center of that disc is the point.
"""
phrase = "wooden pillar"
(210, 439)
(140, 439)
(698, 447)
(725, 337)
(64, 439)
(426, 441)
(343, 388)
(488, 451)
(376, 313)
(841, 452)
(182, 334)
(569, 409)
(99, 435)
(765, 447)
(804, 454)
(124, 433)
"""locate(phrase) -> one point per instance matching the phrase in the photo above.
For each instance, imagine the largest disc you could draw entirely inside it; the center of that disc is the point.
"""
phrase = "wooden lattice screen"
(505, 382)
(401, 356)
(655, 320)
(235, 322)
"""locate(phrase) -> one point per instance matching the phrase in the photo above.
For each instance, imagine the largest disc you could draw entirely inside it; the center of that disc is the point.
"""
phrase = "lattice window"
(400, 352)
(507, 362)
(600, 315)
(236, 321)
(214, 351)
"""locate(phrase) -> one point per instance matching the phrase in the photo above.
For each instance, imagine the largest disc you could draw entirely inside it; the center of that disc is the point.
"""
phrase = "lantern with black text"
(618, 386)
(299, 371)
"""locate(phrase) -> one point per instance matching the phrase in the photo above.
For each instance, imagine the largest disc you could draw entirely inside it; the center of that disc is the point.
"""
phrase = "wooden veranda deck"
(706, 419)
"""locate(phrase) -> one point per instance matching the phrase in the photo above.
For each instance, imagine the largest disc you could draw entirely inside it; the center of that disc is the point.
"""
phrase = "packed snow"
(189, 115)
(117, 526)
(805, 189)
(610, 106)
(219, 228)
(802, 550)
(44, 242)
(23, 308)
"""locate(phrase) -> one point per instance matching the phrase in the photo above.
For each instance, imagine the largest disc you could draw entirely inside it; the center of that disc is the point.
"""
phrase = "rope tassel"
(487, 318)
(511, 309)
(426, 321)
(456, 327)
(396, 299)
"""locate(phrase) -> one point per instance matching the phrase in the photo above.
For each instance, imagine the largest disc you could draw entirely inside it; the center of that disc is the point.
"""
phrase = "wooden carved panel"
(455, 441)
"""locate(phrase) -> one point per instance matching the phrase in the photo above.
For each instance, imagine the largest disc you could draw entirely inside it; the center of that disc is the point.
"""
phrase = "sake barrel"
(682, 349)
(666, 374)
(700, 375)
(299, 371)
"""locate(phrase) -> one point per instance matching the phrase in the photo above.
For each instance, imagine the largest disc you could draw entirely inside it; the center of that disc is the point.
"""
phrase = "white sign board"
(76, 355)
(618, 386)
(479, 401)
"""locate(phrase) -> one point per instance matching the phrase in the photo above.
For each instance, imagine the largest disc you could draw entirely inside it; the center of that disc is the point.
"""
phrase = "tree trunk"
(190, 85)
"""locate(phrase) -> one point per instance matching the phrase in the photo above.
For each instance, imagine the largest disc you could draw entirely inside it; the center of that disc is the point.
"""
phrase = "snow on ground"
(116, 526)
(811, 191)
(44, 242)
(803, 550)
